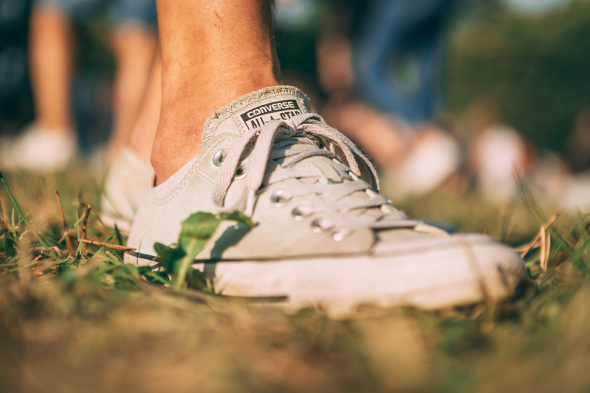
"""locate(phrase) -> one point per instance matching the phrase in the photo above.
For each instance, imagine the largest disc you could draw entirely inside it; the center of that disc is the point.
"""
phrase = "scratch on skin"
(218, 17)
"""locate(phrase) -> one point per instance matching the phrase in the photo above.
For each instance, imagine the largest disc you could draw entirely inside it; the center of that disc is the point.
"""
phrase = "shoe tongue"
(254, 110)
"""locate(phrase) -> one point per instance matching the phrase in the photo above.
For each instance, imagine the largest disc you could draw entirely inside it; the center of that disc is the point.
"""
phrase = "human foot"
(323, 237)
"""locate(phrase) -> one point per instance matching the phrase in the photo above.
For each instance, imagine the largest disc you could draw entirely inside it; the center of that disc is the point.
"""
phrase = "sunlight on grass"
(75, 318)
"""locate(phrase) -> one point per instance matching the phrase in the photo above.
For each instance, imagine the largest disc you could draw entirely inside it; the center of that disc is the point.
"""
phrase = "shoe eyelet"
(218, 158)
(298, 214)
(317, 227)
(278, 199)
(338, 236)
(240, 173)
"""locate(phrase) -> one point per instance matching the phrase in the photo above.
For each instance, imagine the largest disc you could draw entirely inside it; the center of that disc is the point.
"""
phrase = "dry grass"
(74, 319)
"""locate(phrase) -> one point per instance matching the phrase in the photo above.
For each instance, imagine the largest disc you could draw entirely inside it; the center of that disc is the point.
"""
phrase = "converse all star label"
(278, 110)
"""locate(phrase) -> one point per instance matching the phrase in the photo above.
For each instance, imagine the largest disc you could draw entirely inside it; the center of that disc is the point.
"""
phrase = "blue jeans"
(142, 12)
(397, 56)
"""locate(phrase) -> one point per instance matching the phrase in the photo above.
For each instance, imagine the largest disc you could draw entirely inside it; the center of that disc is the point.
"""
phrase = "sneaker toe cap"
(461, 269)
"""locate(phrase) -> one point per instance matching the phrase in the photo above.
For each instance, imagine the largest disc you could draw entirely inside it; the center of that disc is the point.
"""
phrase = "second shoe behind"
(128, 181)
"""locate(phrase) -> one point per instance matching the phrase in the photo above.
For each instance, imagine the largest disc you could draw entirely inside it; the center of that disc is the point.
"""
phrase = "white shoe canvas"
(128, 181)
(322, 237)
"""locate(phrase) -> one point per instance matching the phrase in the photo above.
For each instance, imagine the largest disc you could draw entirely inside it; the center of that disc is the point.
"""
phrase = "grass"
(74, 318)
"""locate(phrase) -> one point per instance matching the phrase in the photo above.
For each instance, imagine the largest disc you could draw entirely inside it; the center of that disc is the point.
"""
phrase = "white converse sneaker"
(38, 150)
(322, 236)
(128, 181)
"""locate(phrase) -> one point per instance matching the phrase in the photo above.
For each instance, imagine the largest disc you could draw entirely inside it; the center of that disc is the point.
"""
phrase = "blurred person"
(131, 175)
(231, 137)
(297, 24)
(577, 145)
(496, 155)
(397, 56)
(50, 142)
(497, 152)
(376, 134)
(413, 160)
(554, 184)
(432, 158)
(565, 183)
(577, 194)
(13, 80)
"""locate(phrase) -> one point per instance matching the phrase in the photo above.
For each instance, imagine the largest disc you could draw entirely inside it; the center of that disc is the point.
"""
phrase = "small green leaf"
(195, 233)
(168, 257)
(24, 217)
(200, 225)
(239, 217)
(193, 247)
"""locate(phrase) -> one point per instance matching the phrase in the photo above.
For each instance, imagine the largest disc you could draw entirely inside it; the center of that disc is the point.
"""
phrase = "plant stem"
(192, 250)
(63, 221)
(39, 238)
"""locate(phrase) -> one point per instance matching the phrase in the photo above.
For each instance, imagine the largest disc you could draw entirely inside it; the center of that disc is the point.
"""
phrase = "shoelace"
(250, 155)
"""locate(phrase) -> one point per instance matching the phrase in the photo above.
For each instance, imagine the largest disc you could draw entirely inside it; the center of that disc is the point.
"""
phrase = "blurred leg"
(130, 175)
(213, 51)
(48, 144)
(144, 131)
(134, 47)
(406, 33)
(51, 67)
(137, 109)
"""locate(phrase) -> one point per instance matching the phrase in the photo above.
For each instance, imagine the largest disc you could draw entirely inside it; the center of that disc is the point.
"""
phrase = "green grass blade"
(24, 218)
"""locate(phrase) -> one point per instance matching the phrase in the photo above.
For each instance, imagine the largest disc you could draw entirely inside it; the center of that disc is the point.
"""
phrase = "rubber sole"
(430, 279)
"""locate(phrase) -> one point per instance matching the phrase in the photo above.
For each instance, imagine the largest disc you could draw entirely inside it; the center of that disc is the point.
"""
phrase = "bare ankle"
(178, 139)
(175, 144)
(235, 56)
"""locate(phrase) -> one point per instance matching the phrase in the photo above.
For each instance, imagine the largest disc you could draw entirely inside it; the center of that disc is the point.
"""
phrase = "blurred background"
(453, 94)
